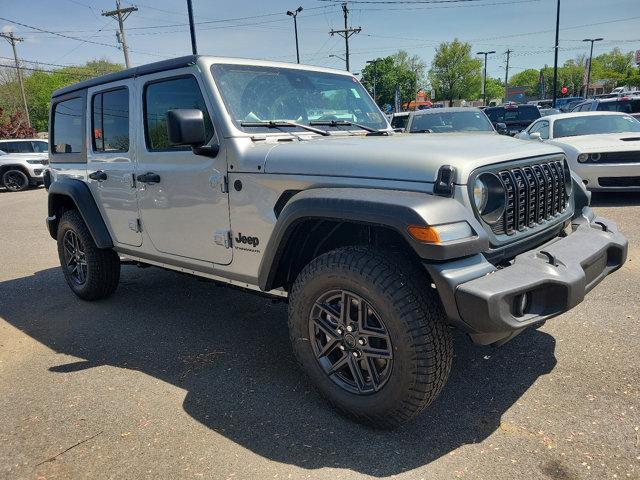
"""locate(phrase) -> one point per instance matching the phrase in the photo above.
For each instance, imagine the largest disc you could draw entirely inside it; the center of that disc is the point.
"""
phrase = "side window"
(165, 95)
(40, 146)
(16, 147)
(110, 114)
(68, 126)
(542, 128)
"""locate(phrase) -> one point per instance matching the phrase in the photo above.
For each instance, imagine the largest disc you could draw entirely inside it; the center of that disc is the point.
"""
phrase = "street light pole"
(555, 59)
(294, 14)
(375, 75)
(192, 29)
(484, 83)
(592, 40)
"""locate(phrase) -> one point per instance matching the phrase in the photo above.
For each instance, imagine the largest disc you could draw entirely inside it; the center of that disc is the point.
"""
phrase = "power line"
(346, 33)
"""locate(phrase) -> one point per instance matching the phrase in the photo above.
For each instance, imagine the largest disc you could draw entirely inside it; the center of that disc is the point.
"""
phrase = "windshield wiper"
(346, 123)
(284, 123)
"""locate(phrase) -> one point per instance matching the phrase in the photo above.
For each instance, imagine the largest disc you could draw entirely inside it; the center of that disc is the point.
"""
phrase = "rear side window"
(624, 106)
(67, 126)
(16, 147)
(110, 113)
(165, 95)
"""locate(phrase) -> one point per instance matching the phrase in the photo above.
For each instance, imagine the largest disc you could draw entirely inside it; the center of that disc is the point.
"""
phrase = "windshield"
(261, 94)
(594, 125)
(447, 122)
(521, 113)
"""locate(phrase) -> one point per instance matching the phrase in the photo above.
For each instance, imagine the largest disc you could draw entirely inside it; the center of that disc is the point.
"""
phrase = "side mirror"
(535, 136)
(502, 128)
(185, 126)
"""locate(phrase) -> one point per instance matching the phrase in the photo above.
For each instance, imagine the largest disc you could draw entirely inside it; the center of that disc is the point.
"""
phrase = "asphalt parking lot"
(173, 377)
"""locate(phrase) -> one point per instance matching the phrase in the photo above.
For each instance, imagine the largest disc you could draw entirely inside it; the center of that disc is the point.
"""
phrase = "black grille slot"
(620, 157)
(535, 194)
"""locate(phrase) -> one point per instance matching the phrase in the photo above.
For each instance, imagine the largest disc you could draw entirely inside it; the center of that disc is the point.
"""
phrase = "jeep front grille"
(535, 194)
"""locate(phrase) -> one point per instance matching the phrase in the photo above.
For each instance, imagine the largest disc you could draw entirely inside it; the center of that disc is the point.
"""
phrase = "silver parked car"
(22, 163)
(288, 180)
(602, 147)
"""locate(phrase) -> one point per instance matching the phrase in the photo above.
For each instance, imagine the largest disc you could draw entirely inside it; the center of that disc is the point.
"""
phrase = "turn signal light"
(424, 234)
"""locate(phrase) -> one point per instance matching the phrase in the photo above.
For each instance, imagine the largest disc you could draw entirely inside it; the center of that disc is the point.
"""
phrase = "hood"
(406, 157)
(600, 143)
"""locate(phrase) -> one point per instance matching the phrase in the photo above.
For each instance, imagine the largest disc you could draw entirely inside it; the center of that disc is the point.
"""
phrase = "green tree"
(527, 78)
(40, 84)
(397, 70)
(454, 73)
(495, 88)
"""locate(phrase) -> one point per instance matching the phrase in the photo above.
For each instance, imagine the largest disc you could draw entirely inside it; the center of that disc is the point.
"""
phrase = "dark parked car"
(630, 105)
(450, 120)
(565, 104)
(515, 117)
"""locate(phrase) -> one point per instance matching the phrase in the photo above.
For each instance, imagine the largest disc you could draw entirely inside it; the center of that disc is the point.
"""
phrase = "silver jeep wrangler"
(288, 180)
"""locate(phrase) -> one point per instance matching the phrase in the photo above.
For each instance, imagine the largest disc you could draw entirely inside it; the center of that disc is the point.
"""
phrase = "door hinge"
(135, 224)
(223, 238)
(219, 178)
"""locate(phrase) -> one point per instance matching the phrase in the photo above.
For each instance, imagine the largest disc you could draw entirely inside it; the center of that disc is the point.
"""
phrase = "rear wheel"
(91, 272)
(15, 180)
(370, 334)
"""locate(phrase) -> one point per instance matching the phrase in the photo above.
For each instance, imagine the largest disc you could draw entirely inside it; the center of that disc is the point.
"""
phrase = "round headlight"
(595, 157)
(480, 194)
(583, 157)
(490, 197)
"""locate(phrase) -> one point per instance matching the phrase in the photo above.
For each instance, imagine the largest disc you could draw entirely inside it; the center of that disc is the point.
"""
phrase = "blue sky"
(157, 30)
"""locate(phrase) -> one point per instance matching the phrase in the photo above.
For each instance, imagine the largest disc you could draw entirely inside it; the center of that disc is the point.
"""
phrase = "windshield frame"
(612, 115)
(251, 131)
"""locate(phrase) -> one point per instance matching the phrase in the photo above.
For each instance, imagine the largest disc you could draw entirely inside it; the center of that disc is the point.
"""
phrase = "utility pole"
(294, 14)
(346, 33)
(506, 76)
(484, 82)
(192, 28)
(12, 39)
(121, 14)
(592, 40)
(555, 60)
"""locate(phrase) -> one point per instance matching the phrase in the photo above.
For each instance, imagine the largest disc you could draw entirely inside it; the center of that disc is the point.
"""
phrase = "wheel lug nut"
(349, 328)
(361, 341)
(356, 354)
(339, 331)
(341, 347)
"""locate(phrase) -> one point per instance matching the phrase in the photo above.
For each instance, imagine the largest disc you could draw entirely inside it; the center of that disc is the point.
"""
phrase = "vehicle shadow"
(230, 351)
(615, 199)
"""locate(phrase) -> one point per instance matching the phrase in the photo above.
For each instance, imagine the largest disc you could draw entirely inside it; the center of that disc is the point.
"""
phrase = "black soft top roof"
(129, 73)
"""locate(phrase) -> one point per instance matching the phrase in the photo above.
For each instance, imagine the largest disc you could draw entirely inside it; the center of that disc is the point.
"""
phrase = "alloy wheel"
(350, 342)
(75, 257)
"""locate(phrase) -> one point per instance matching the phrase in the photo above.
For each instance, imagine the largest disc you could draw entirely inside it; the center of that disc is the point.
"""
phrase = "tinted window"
(166, 95)
(16, 147)
(40, 146)
(593, 125)
(110, 112)
(399, 121)
(624, 106)
(521, 113)
(67, 126)
(446, 122)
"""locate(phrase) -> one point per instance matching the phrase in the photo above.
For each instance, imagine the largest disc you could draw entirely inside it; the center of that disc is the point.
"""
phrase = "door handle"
(148, 177)
(99, 175)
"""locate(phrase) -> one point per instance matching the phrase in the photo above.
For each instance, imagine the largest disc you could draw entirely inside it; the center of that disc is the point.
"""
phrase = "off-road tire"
(420, 340)
(10, 183)
(102, 265)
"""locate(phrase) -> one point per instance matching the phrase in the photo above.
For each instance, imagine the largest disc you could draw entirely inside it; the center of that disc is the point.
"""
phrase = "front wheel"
(91, 272)
(370, 334)
(15, 180)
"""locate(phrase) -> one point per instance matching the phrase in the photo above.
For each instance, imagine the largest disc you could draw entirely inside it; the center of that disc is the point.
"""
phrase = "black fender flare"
(79, 193)
(393, 209)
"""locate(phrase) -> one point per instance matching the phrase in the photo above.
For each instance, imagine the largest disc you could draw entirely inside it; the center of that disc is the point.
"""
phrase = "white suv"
(22, 163)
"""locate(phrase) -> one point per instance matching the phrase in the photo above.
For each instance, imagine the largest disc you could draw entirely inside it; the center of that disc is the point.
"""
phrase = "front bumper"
(486, 301)
(625, 173)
